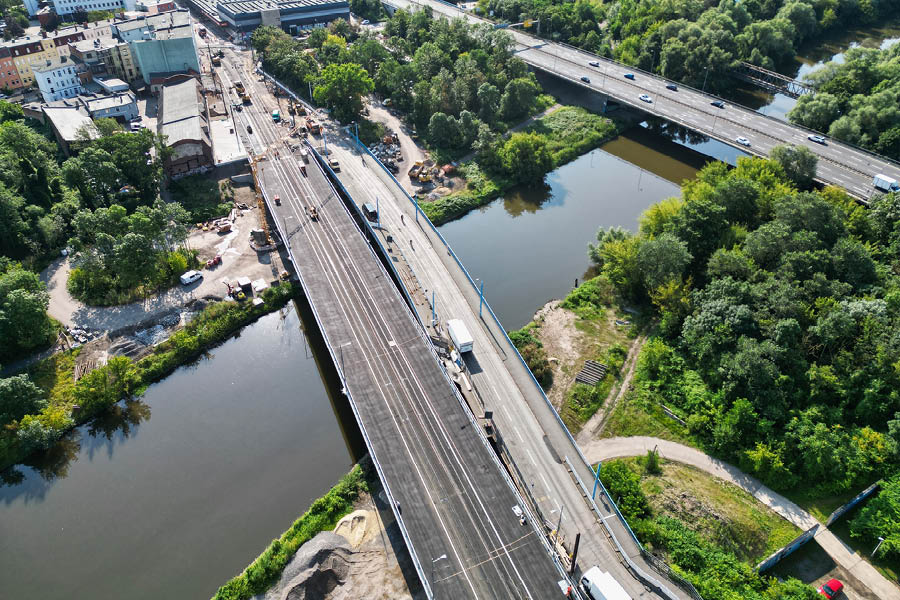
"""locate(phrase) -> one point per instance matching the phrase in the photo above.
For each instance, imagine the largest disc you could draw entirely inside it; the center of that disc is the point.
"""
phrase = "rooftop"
(249, 6)
(179, 112)
(96, 44)
(51, 65)
(70, 123)
(169, 33)
(106, 102)
(174, 18)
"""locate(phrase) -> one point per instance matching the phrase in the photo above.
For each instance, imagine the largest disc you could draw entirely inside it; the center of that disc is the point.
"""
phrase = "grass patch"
(819, 507)
(582, 401)
(371, 132)
(202, 197)
(570, 132)
(107, 384)
(719, 512)
(636, 414)
(323, 515)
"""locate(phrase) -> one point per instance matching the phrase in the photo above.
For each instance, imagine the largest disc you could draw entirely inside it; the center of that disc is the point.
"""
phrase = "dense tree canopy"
(24, 324)
(858, 100)
(780, 311)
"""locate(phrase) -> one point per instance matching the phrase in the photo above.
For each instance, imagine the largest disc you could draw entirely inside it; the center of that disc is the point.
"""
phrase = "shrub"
(624, 485)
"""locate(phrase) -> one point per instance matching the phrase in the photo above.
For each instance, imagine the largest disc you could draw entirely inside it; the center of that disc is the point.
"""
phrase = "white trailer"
(885, 183)
(460, 335)
(600, 585)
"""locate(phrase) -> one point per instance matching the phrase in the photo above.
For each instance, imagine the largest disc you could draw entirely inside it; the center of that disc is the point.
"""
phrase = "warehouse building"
(289, 15)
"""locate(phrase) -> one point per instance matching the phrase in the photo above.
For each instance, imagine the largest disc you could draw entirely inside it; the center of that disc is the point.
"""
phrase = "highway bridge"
(839, 164)
(468, 531)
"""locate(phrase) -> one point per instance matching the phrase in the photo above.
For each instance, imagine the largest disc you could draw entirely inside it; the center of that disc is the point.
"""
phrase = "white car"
(646, 98)
(190, 277)
(743, 141)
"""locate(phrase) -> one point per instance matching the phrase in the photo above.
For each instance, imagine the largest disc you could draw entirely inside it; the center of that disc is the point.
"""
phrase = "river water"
(531, 245)
(811, 57)
(177, 492)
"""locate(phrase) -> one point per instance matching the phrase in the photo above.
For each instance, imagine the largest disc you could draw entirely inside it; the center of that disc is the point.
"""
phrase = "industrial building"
(288, 15)
(183, 121)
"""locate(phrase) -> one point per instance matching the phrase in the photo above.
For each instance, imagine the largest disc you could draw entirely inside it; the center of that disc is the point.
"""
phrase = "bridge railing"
(609, 61)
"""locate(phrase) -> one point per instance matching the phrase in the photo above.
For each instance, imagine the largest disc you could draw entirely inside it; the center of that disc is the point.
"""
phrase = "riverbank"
(569, 132)
(564, 334)
(342, 547)
(71, 401)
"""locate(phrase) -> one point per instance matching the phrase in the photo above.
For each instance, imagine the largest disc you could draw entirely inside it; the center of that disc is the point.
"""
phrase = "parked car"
(672, 86)
(817, 139)
(249, 129)
(718, 103)
(646, 98)
(629, 76)
(190, 277)
(831, 588)
(594, 63)
(742, 141)
(585, 79)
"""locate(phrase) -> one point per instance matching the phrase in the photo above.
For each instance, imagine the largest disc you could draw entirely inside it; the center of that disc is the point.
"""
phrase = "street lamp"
(704, 79)
(880, 542)
(341, 349)
(480, 295)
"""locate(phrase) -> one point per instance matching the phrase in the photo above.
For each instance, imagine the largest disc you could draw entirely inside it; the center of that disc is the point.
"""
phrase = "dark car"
(672, 86)
(585, 79)
(718, 103)
(629, 76)
(249, 129)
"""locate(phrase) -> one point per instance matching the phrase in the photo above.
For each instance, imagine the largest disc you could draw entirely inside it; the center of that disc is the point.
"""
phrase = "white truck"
(460, 335)
(600, 585)
(885, 183)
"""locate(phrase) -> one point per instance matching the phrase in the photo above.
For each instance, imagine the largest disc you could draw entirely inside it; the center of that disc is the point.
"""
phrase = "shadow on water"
(102, 434)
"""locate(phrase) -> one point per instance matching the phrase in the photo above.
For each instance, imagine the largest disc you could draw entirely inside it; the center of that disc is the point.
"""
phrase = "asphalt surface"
(839, 164)
(451, 494)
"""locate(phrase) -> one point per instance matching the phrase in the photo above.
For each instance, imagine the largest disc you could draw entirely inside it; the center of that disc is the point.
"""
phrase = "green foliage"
(624, 486)
(783, 356)
(19, 396)
(798, 163)
(880, 517)
(651, 463)
(525, 157)
(24, 323)
(323, 515)
(200, 197)
(122, 257)
(532, 351)
(857, 100)
(342, 87)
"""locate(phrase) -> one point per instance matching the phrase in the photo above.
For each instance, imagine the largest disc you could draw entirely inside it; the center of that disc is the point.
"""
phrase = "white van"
(600, 585)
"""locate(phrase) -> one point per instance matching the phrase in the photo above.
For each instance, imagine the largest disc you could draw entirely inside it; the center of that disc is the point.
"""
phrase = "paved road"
(839, 164)
(851, 561)
(450, 492)
(533, 436)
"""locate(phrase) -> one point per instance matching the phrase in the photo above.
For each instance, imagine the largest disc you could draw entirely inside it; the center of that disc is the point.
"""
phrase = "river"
(813, 56)
(180, 490)
(531, 245)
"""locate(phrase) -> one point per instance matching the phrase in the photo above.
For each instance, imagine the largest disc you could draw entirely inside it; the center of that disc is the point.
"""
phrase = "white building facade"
(65, 7)
(57, 81)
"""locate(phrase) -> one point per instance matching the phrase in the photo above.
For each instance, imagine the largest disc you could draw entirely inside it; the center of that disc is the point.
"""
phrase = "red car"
(831, 588)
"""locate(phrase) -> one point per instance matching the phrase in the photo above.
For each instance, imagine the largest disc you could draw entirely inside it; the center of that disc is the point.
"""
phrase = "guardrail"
(462, 402)
(362, 427)
(666, 570)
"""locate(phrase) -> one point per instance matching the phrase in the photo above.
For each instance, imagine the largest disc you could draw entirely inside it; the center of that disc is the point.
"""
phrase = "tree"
(518, 98)
(488, 102)
(662, 259)
(816, 111)
(624, 485)
(24, 324)
(798, 162)
(880, 517)
(342, 87)
(19, 396)
(526, 157)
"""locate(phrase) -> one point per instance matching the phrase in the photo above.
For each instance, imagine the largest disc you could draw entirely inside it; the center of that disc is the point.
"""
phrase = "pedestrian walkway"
(620, 447)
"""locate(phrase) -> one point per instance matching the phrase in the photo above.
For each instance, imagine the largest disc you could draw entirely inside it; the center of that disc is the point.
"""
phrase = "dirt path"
(410, 151)
(594, 427)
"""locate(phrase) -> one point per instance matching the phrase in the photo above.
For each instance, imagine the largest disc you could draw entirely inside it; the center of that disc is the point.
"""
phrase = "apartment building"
(57, 79)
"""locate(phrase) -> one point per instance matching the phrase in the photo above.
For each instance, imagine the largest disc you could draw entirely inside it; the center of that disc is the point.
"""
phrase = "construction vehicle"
(216, 61)
(314, 213)
(303, 170)
(239, 87)
(312, 126)
(415, 169)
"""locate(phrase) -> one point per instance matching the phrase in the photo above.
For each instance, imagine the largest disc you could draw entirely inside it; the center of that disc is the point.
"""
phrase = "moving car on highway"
(629, 76)
(817, 139)
(646, 98)
(743, 141)
(594, 63)
(718, 103)
(585, 79)
(672, 86)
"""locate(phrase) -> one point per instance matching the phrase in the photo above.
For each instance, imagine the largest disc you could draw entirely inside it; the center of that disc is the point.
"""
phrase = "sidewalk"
(609, 448)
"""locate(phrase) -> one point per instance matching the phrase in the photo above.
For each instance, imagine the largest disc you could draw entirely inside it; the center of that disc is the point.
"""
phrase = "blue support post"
(596, 480)
(480, 298)
(325, 142)
(416, 198)
(377, 212)
(432, 309)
